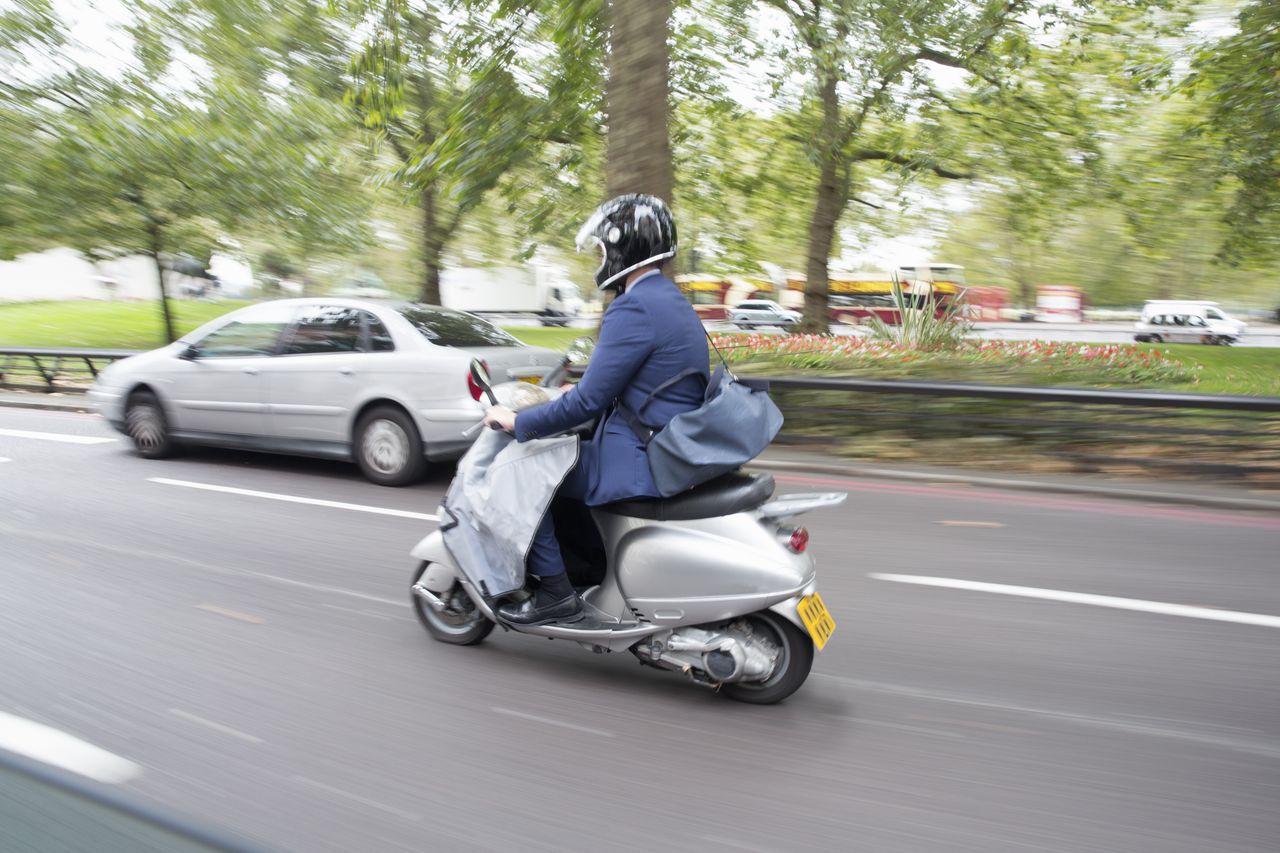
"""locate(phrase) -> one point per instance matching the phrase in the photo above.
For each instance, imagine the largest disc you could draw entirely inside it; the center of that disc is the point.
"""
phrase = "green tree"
(1238, 78)
(463, 93)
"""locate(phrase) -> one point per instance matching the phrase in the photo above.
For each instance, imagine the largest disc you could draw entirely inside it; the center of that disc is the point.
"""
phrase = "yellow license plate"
(816, 619)
(533, 380)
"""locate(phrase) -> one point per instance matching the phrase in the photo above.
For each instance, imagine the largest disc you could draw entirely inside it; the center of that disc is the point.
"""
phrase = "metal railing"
(38, 369)
(951, 422)
(1070, 429)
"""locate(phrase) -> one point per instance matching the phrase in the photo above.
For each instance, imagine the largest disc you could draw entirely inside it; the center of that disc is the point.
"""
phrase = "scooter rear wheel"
(793, 665)
(462, 624)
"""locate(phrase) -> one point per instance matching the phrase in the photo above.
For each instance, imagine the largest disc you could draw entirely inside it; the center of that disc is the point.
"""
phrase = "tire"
(1156, 339)
(147, 427)
(793, 667)
(388, 448)
(466, 630)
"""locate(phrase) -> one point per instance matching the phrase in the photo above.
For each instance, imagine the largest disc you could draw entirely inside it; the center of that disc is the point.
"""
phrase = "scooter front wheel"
(795, 659)
(460, 623)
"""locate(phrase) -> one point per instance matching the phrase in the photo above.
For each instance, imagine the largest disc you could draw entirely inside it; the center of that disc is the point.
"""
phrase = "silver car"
(386, 384)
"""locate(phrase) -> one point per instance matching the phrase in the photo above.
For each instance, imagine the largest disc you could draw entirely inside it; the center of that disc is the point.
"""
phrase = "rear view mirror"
(480, 376)
(190, 352)
(580, 350)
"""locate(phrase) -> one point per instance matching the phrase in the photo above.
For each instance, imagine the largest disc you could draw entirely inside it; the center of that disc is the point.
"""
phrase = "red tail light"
(476, 391)
(799, 540)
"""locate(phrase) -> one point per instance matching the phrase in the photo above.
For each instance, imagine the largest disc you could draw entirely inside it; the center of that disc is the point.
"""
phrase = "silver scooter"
(717, 583)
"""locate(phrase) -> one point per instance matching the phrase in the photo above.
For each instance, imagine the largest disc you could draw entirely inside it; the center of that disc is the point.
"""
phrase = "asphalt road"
(258, 658)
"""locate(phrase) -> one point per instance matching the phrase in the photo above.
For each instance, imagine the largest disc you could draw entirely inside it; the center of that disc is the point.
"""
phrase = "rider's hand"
(500, 417)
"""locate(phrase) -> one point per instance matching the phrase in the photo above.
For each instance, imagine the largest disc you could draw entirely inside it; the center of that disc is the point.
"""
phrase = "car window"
(455, 329)
(1195, 321)
(1214, 314)
(321, 329)
(241, 339)
(379, 337)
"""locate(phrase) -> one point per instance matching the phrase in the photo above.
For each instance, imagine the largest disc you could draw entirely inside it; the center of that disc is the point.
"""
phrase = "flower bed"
(1036, 362)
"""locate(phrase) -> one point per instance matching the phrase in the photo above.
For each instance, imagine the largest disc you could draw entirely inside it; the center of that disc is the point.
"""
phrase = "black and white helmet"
(631, 231)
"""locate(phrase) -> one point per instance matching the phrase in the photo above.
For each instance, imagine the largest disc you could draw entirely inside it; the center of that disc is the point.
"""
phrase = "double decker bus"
(853, 296)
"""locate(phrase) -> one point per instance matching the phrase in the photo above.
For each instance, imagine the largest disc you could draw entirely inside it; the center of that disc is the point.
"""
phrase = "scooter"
(716, 582)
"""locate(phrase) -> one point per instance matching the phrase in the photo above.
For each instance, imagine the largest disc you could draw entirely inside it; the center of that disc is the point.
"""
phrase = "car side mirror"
(189, 353)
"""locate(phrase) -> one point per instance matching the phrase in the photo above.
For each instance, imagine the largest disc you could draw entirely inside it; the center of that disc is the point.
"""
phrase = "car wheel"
(1156, 339)
(388, 448)
(147, 427)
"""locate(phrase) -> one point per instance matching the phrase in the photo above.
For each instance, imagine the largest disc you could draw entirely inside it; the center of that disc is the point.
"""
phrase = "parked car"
(762, 312)
(1186, 328)
(385, 384)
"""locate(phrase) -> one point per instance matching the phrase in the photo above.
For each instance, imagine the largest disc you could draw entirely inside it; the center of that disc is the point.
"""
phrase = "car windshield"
(454, 329)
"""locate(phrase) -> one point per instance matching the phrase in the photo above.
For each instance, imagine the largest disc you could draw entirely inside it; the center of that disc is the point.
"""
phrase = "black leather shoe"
(528, 612)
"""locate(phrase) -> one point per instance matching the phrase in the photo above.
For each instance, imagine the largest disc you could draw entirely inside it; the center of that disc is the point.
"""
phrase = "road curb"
(47, 405)
(1089, 489)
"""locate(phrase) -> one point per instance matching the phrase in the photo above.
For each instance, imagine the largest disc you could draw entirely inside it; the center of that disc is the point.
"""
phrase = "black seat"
(725, 495)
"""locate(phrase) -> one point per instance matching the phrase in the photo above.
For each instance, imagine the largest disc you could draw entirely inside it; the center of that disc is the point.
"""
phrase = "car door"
(313, 385)
(218, 386)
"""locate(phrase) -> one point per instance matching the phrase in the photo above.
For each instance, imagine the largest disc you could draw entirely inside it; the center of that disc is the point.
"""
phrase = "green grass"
(1230, 370)
(551, 337)
(100, 325)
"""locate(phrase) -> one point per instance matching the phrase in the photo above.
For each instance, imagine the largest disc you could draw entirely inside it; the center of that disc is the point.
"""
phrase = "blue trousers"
(545, 559)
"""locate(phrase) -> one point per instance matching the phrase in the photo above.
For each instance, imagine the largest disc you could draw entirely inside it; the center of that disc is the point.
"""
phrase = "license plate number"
(817, 621)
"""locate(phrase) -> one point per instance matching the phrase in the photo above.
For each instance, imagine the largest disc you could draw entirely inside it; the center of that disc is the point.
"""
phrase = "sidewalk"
(787, 460)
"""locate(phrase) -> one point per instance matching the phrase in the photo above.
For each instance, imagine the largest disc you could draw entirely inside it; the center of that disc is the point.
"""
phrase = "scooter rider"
(649, 336)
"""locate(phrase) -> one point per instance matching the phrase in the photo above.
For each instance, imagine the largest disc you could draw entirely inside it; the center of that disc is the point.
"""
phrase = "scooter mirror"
(480, 376)
(580, 350)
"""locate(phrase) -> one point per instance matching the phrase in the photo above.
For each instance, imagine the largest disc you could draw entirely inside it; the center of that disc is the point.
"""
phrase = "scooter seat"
(725, 495)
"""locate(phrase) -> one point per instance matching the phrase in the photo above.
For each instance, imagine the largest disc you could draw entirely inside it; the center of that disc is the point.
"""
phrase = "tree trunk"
(639, 145)
(165, 311)
(833, 189)
(433, 240)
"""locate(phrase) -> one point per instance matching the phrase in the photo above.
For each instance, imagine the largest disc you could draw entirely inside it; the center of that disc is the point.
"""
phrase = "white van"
(1187, 321)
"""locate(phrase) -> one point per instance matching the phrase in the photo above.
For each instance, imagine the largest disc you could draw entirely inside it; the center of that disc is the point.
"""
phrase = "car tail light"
(799, 540)
(476, 391)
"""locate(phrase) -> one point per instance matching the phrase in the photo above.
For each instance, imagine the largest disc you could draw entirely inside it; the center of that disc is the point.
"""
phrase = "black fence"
(32, 369)
(1046, 429)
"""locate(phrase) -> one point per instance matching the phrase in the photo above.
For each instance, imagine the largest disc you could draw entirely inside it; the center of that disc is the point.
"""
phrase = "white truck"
(540, 291)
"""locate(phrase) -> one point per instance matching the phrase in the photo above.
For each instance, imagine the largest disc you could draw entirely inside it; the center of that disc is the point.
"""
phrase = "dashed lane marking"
(295, 499)
(231, 614)
(356, 798)
(217, 727)
(56, 436)
(550, 722)
(1161, 607)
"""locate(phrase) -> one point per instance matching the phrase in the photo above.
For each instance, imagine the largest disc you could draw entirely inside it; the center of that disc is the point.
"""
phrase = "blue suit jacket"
(650, 334)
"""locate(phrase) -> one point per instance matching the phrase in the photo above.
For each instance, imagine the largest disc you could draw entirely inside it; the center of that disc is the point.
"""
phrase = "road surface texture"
(1011, 671)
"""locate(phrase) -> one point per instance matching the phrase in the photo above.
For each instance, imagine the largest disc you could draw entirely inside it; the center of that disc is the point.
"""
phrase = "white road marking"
(318, 587)
(55, 436)
(231, 614)
(294, 499)
(1161, 607)
(971, 524)
(1250, 743)
(356, 797)
(217, 727)
(51, 746)
(550, 722)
